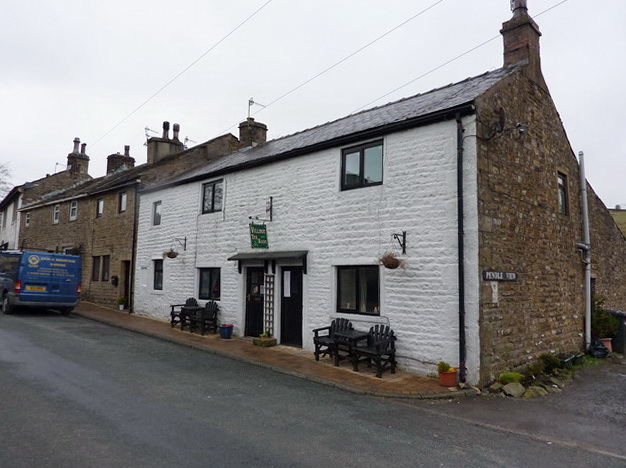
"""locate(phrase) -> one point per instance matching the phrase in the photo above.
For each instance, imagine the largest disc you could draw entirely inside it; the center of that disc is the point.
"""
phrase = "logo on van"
(33, 260)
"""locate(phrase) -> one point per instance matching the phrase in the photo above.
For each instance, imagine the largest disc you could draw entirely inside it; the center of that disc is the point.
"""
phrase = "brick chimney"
(116, 161)
(252, 133)
(521, 42)
(159, 148)
(77, 160)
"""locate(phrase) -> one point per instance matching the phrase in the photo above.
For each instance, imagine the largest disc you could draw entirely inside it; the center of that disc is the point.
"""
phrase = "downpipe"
(585, 247)
(461, 248)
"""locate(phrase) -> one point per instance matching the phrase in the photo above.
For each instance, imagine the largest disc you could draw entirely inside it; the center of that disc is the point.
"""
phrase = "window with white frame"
(73, 210)
(27, 219)
(156, 213)
(122, 200)
(358, 289)
(99, 208)
(212, 196)
(56, 214)
(562, 193)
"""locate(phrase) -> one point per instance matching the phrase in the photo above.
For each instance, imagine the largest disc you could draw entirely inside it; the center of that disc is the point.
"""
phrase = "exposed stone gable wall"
(522, 231)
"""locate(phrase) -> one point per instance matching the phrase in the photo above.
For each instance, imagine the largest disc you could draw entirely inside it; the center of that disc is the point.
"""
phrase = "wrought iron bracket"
(401, 238)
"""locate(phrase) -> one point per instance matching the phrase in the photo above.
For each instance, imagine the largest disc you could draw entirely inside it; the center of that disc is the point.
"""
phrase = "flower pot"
(121, 306)
(264, 341)
(608, 343)
(447, 379)
(226, 331)
(171, 254)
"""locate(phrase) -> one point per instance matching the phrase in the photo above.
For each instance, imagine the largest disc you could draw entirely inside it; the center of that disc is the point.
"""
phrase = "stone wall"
(522, 231)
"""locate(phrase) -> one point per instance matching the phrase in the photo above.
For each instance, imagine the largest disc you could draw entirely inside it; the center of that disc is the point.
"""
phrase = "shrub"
(509, 377)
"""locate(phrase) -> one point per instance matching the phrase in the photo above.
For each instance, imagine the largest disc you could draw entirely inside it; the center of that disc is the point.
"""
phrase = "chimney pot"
(166, 130)
(82, 148)
(76, 145)
(126, 150)
(176, 130)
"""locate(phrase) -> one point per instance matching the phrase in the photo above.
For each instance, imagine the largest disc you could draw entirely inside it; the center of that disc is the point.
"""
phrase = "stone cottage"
(474, 186)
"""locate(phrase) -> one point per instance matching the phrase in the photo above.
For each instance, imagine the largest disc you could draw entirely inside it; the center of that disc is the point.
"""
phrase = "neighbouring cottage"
(474, 186)
(96, 218)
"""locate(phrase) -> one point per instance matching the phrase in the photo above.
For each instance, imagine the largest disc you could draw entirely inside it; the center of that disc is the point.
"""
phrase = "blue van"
(40, 280)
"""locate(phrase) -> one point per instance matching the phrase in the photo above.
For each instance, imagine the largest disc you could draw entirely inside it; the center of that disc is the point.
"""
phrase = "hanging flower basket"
(389, 260)
(170, 254)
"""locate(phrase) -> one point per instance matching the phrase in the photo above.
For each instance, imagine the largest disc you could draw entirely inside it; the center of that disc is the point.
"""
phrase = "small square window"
(99, 208)
(56, 214)
(27, 219)
(73, 210)
(562, 193)
(122, 200)
(156, 213)
(212, 196)
(158, 275)
(209, 284)
(358, 290)
(362, 166)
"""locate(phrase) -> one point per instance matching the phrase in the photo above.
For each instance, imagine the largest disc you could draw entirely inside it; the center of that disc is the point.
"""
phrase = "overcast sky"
(83, 68)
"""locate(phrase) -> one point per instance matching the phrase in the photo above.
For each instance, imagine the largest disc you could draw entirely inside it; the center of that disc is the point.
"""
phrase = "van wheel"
(6, 307)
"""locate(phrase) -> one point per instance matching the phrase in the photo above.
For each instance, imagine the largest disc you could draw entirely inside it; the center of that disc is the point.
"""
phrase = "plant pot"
(608, 343)
(171, 254)
(226, 331)
(121, 306)
(264, 341)
(389, 260)
(447, 379)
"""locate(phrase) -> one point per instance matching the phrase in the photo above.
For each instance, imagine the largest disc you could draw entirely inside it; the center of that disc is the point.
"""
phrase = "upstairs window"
(99, 208)
(156, 213)
(358, 290)
(362, 166)
(212, 196)
(122, 200)
(27, 219)
(73, 210)
(56, 214)
(562, 193)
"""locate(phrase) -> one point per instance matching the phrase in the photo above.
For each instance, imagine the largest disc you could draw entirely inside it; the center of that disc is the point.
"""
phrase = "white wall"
(9, 228)
(418, 195)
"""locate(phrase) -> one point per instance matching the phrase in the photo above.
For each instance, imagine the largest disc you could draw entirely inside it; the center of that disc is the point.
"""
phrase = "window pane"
(156, 213)
(123, 200)
(158, 274)
(347, 289)
(207, 204)
(351, 169)
(368, 290)
(219, 195)
(373, 165)
(106, 260)
(95, 268)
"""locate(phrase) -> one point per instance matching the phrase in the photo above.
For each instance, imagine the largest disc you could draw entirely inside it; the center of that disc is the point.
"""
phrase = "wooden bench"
(323, 339)
(178, 315)
(380, 348)
(205, 318)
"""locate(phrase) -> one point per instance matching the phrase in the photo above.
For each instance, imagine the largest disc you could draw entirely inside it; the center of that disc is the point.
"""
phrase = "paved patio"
(284, 359)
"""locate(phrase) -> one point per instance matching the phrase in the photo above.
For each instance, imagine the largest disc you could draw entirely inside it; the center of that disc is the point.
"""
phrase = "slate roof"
(329, 134)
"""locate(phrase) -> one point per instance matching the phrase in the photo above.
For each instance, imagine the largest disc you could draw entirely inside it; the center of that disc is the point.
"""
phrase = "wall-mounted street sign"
(499, 276)
(258, 236)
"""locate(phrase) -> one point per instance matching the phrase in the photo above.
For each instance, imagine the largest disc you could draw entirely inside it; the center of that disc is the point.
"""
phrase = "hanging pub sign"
(258, 236)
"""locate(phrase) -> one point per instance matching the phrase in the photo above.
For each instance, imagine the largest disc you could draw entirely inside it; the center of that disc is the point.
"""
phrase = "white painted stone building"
(319, 227)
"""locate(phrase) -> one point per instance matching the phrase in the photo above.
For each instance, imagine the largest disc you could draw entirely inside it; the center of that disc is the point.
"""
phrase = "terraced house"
(474, 186)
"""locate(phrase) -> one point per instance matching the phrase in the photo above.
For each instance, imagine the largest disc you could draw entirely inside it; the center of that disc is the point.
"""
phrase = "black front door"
(255, 291)
(291, 307)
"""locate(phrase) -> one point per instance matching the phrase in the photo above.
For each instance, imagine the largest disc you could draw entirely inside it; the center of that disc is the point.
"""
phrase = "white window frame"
(73, 210)
(56, 214)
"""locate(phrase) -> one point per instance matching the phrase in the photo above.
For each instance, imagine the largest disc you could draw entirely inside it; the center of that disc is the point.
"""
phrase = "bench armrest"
(317, 330)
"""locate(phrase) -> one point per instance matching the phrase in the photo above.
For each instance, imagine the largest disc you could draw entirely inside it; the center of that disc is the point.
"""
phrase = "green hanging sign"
(258, 236)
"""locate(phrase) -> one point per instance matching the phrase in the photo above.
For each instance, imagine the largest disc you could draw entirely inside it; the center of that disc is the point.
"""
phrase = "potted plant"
(265, 339)
(604, 327)
(447, 374)
(390, 260)
(121, 302)
(170, 254)
(226, 330)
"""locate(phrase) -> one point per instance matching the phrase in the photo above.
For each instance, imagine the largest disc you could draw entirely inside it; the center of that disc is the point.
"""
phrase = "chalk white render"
(352, 227)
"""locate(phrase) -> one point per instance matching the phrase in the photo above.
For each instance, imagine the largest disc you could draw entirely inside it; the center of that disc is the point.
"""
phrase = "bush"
(551, 363)
(604, 325)
(509, 377)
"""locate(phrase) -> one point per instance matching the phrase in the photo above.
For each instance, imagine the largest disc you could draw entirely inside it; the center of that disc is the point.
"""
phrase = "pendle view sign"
(258, 236)
(499, 276)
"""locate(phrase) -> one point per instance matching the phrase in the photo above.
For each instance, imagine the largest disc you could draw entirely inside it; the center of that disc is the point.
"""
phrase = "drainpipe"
(461, 250)
(585, 247)
(133, 255)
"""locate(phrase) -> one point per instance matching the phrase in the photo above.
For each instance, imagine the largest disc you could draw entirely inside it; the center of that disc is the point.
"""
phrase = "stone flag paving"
(284, 359)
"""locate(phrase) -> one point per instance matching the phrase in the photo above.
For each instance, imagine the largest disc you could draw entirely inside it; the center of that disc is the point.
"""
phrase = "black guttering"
(427, 119)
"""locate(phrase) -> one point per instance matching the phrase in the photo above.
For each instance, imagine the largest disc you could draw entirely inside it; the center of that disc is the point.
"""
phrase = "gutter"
(461, 248)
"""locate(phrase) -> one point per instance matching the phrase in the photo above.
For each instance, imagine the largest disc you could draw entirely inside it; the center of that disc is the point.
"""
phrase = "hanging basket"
(389, 260)
(170, 254)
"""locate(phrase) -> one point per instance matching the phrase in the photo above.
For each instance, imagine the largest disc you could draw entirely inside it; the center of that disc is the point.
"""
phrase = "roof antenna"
(187, 140)
(147, 131)
(251, 102)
